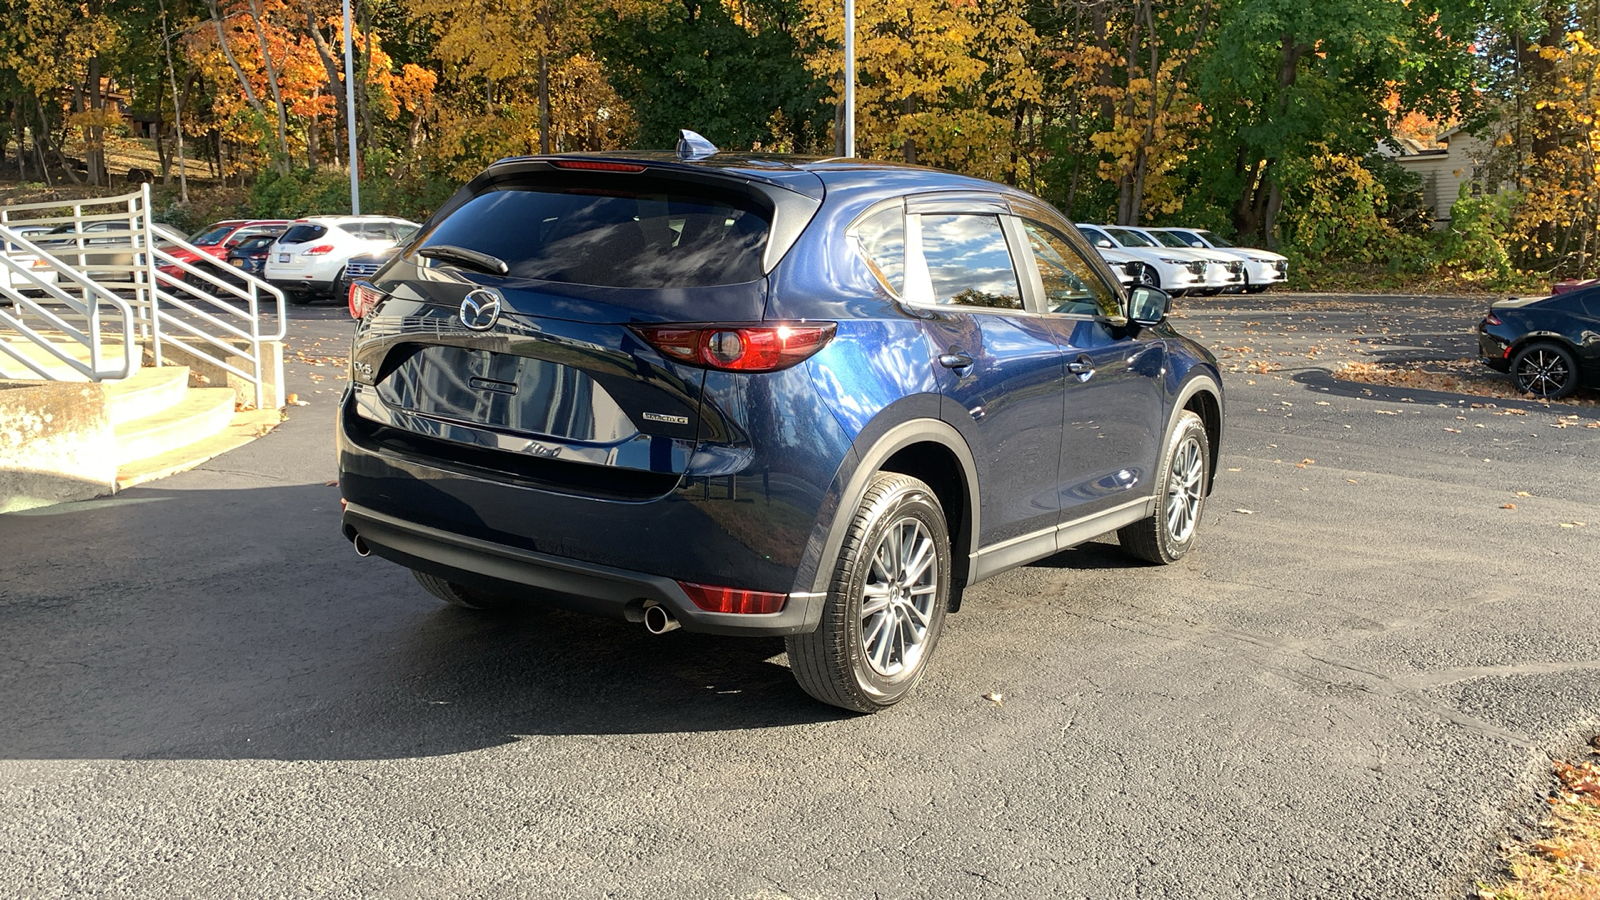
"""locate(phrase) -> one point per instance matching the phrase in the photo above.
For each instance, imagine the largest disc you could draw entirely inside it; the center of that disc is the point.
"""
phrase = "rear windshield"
(632, 232)
(299, 234)
(212, 237)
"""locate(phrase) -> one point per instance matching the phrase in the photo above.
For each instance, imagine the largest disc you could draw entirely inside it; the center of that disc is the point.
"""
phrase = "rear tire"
(886, 604)
(1545, 370)
(1180, 497)
(456, 595)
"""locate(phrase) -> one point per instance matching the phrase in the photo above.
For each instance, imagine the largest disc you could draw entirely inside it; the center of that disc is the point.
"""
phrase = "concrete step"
(245, 426)
(11, 368)
(150, 390)
(201, 413)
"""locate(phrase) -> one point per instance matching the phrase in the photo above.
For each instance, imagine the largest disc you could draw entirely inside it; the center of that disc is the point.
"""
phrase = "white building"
(1443, 170)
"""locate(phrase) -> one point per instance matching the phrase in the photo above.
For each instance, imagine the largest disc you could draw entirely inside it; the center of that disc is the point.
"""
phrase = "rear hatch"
(291, 252)
(511, 335)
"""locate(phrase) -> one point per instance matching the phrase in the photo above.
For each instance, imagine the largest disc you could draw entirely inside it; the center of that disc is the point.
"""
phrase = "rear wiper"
(481, 261)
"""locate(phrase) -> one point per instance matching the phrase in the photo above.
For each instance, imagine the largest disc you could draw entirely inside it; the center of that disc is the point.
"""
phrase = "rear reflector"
(738, 348)
(594, 166)
(732, 600)
(363, 298)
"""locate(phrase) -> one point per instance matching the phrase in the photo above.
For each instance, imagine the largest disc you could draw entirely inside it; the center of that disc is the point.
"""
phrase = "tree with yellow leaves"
(946, 83)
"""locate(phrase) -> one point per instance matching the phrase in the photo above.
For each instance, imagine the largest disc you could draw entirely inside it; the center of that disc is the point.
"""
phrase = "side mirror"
(1148, 305)
(1105, 243)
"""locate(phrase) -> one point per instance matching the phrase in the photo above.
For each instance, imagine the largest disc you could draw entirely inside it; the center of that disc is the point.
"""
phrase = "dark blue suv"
(762, 396)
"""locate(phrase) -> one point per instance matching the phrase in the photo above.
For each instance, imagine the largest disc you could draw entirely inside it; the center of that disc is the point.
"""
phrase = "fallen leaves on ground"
(1565, 863)
(1455, 376)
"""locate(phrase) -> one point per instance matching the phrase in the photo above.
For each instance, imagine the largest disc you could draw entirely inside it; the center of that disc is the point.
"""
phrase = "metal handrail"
(172, 313)
(91, 338)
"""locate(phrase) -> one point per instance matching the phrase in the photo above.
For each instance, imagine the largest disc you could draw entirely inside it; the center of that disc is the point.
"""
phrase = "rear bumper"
(1492, 351)
(568, 583)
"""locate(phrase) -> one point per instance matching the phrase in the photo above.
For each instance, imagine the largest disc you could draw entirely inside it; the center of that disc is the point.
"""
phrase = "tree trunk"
(94, 151)
(545, 26)
(329, 66)
(282, 162)
(363, 25)
(244, 83)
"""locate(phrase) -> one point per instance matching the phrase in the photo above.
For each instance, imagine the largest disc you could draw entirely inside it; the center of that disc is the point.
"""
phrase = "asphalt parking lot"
(1350, 690)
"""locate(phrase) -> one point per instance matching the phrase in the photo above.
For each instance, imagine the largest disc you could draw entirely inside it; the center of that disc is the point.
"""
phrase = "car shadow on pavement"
(227, 624)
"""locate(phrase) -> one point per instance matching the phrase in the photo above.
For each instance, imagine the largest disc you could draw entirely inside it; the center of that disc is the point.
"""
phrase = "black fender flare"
(1199, 380)
(872, 449)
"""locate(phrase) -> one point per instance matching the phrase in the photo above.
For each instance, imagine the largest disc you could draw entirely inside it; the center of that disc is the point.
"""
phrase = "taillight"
(1492, 319)
(738, 348)
(733, 600)
(363, 299)
(318, 250)
(595, 165)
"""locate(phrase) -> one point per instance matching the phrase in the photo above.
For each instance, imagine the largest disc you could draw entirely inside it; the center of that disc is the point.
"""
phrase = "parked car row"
(1186, 260)
(306, 258)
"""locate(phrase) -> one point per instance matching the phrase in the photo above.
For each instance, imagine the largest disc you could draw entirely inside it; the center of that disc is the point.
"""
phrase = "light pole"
(849, 77)
(350, 114)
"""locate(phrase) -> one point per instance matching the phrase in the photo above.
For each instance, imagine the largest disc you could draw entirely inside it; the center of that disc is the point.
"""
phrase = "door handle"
(1083, 367)
(955, 359)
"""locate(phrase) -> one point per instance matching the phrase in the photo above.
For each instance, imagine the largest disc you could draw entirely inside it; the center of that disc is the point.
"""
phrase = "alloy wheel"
(898, 597)
(1185, 490)
(1542, 372)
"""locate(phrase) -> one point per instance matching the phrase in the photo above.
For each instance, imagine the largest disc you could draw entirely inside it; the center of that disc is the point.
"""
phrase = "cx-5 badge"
(481, 309)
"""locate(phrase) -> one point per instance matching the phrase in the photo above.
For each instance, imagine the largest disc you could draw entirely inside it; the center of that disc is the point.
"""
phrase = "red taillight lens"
(733, 600)
(738, 348)
(318, 250)
(1492, 319)
(595, 166)
(363, 299)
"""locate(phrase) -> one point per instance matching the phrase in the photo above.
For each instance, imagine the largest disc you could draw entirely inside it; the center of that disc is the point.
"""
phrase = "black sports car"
(1549, 345)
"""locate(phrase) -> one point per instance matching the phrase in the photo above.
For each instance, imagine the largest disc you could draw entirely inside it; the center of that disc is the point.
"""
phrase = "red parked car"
(220, 237)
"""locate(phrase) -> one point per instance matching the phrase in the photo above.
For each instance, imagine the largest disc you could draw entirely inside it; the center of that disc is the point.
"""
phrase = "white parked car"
(1129, 269)
(1177, 272)
(307, 260)
(1224, 271)
(1262, 268)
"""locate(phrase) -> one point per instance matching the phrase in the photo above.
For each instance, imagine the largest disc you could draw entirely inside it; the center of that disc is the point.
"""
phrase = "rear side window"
(633, 232)
(300, 234)
(881, 240)
(969, 262)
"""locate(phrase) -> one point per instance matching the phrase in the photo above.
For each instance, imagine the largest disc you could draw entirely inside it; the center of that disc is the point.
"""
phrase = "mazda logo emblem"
(480, 309)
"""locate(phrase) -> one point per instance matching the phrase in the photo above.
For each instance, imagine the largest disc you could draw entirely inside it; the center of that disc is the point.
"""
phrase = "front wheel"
(1545, 370)
(886, 604)
(1180, 494)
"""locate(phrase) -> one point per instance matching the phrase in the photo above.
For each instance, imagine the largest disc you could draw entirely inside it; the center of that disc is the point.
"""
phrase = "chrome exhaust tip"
(659, 620)
(360, 543)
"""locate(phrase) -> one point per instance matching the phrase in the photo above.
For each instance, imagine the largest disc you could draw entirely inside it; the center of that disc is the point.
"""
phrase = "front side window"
(969, 263)
(1071, 285)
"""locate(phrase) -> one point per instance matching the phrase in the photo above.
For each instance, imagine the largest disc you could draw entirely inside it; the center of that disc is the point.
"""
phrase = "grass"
(1565, 863)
